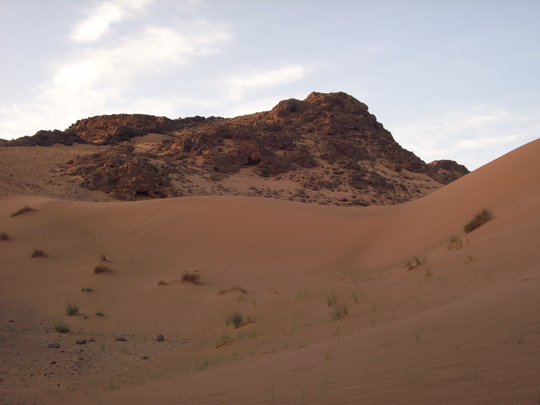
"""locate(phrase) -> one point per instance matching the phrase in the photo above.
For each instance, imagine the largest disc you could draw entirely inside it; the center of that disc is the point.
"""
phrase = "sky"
(449, 79)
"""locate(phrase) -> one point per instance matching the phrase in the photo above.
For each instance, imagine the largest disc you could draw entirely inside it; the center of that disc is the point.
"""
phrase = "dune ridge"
(461, 327)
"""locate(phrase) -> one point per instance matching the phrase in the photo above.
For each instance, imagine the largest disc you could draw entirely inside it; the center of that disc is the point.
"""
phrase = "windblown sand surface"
(462, 327)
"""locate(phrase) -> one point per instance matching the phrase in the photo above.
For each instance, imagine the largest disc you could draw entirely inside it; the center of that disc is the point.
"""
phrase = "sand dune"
(462, 327)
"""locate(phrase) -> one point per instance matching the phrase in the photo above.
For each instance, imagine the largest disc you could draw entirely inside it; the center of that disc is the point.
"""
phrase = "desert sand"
(462, 327)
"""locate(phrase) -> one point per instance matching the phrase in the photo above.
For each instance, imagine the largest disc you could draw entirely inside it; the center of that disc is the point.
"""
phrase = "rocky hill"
(326, 149)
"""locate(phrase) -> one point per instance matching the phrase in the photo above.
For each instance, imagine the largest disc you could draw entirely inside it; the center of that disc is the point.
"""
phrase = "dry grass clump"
(162, 282)
(191, 277)
(72, 309)
(480, 219)
(38, 253)
(454, 243)
(22, 210)
(61, 327)
(340, 311)
(100, 269)
(414, 262)
(4, 236)
(237, 320)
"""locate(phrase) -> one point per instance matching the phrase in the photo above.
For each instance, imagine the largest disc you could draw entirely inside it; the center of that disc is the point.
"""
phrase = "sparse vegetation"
(191, 277)
(86, 289)
(103, 257)
(4, 236)
(61, 327)
(100, 313)
(454, 243)
(72, 309)
(332, 299)
(38, 253)
(414, 262)
(22, 210)
(102, 269)
(340, 311)
(162, 282)
(480, 219)
(236, 319)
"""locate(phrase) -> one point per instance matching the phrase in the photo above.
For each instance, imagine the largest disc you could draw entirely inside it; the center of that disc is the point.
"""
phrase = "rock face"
(46, 138)
(117, 128)
(447, 171)
(327, 148)
(121, 173)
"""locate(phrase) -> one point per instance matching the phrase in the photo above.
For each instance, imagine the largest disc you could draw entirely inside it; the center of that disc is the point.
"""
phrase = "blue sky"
(449, 79)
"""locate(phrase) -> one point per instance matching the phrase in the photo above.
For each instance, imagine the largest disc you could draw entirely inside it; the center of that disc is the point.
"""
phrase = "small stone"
(160, 338)
(11, 321)
(54, 345)
(92, 340)
(80, 342)
(145, 358)
(53, 362)
(120, 339)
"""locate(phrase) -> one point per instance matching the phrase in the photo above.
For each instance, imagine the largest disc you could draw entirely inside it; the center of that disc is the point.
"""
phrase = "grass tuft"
(414, 262)
(38, 253)
(236, 319)
(332, 299)
(72, 309)
(61, 327)
(100, 313)
(340, 311)
(191, 277)
(22, 210)
(102, 269)
(162, 282)
(454, 243)
(86, 289)
(480, 219)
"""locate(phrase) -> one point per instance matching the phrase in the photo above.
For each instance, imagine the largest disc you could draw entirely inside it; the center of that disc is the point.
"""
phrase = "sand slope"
(463, 327)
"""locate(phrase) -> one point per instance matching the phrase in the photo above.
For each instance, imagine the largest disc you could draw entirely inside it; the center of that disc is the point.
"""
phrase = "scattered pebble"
(92, 340)
(120, 339)
(145, 358)
(80, 342)
(54, 345)
(53, 362)
(160, 338)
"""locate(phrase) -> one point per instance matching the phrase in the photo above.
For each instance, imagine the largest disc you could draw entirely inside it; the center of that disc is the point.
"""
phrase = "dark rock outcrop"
(122, 173)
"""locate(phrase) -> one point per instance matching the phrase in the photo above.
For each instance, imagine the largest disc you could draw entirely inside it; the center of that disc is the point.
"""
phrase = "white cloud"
(101, 17)
(473, 137)
(238, 85)
(107, 79)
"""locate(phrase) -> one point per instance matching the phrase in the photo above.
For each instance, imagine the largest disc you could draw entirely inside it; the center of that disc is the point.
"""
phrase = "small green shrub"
(4, 236)
(102, 269)
(22, 210)
(72, 309)
(38, 253)
(61, 327)
(86, 289)
(236, 319)
(191, 277)
(480, 219)
(339, 312)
